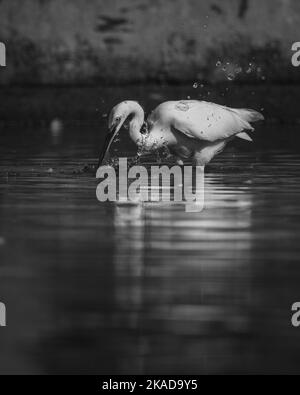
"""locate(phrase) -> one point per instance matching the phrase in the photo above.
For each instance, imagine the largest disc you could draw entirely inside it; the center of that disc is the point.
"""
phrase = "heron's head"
(119, 114)
(117, 117)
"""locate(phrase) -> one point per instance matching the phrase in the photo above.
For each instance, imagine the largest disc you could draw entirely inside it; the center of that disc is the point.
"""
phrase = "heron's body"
(190, 129)
(196, 129)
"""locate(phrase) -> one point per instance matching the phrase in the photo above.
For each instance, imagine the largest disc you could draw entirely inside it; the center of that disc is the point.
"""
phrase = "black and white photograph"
(149, 190)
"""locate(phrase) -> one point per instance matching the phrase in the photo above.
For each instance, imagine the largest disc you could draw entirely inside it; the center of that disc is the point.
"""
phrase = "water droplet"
(263, 78)
(195, 86)
(189, 97)
(219, 63)
(249, 71)
(230, 77)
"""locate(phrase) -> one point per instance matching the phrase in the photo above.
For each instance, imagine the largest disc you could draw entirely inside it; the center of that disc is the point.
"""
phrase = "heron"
(190, 129)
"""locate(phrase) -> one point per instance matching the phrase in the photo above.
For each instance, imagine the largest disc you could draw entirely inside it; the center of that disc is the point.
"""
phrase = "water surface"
(147, 288)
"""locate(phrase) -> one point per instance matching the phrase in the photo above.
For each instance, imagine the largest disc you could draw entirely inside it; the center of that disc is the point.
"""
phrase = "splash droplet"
(219, 63)
(230, 77)
(195, 86)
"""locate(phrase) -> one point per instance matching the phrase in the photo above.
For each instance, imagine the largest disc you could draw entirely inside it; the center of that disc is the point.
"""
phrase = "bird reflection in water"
(183, 281)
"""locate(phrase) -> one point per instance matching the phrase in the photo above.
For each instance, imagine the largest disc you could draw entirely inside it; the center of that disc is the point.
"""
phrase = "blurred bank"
(61, 42)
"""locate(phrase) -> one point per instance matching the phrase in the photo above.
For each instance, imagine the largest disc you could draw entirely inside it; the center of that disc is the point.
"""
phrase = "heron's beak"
(108, 141)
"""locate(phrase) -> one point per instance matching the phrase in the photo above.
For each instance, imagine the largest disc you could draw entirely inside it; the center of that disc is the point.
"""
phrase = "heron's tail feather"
(245, 116)
(249, 115)
(244, 136)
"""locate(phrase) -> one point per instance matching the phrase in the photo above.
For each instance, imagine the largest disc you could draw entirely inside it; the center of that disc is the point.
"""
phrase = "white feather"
(205, 121)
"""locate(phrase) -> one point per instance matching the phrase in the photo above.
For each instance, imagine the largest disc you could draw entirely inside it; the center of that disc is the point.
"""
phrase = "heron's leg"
(179, 161)
(198, 202)
(203, 156)
(176, 157)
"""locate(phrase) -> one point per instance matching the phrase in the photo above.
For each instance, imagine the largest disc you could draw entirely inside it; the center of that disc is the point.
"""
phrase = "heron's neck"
(137, 121)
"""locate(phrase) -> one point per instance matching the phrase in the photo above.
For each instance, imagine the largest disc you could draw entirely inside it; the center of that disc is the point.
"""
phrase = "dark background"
(74, 41)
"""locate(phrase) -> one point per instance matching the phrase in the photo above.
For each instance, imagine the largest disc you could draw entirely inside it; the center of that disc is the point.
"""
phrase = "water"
(106, 288)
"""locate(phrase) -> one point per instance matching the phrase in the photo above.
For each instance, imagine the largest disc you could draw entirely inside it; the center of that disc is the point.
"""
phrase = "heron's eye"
(118, 119)
(144, 129)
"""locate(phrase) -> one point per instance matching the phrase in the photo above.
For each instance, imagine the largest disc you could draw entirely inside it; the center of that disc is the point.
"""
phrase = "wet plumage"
(190, 129)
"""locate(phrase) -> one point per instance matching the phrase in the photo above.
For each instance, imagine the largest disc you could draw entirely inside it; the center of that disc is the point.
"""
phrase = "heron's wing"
(211, 122)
